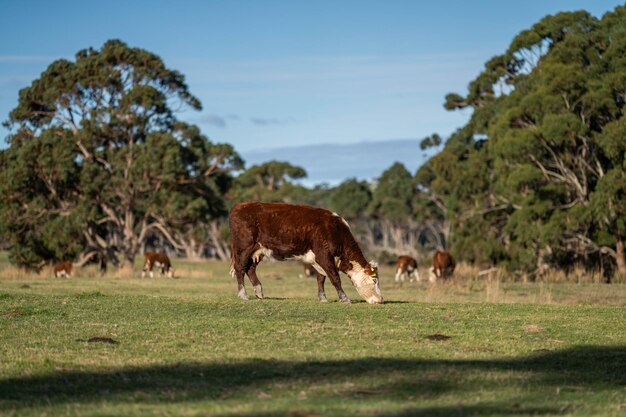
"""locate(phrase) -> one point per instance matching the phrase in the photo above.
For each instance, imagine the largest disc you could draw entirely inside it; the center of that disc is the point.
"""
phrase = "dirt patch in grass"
(438, 337)
(13, 313)
(532, 328)
(99, 340)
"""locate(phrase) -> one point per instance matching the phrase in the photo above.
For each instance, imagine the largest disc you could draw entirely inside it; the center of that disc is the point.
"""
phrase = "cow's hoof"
(258, 291)
(346, 301)
(323, 300)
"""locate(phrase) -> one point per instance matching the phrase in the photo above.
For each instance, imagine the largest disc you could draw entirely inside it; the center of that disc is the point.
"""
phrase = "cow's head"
(365, 280)
(170, 272)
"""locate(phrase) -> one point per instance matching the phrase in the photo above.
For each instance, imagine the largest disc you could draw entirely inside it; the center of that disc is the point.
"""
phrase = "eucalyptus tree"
(392, 206)
(270, 181)
(351, 200)
(98, 159)
(543, 151)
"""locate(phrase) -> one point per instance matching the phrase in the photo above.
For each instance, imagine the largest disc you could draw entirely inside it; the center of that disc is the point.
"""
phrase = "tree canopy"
(538, 171)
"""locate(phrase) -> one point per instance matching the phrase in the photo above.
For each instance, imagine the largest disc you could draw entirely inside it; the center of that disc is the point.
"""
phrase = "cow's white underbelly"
(308, 258)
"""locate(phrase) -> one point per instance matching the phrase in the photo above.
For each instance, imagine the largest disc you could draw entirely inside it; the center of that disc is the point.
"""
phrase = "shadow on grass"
(400, 302)
(585, 367)
(454, 410)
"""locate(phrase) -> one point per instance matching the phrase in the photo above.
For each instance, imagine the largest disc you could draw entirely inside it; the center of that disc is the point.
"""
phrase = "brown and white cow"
(160, 260)
(406, 267)
(63, 269)
(443, 266)
(312, 235)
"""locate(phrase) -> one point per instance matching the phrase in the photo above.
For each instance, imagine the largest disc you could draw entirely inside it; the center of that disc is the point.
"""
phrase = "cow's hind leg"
(254, 280)
(241, 289)
(321, 294)
(241, 263)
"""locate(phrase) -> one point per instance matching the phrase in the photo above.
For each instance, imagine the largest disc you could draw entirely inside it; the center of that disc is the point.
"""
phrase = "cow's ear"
(373, 268)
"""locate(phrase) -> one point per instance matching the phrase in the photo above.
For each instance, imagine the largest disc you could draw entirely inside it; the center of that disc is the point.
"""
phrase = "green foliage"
(393, 194)
(539, 168)
(350, 198)
(430, 141)
(270, 182)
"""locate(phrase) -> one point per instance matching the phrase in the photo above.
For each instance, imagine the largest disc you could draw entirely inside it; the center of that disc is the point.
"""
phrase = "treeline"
(99, 167)
(535, 180)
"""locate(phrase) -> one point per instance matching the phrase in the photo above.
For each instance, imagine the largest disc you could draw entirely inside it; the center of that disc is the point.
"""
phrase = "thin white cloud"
(215, 120)
(17, 59)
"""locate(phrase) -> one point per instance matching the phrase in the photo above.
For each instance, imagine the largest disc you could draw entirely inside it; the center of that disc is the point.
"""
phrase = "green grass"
(188, 347)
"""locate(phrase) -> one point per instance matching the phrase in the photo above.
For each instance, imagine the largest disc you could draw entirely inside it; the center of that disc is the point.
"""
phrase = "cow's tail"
(232, 262)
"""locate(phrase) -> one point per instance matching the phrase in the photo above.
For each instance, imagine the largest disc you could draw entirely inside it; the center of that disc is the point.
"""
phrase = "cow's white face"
(365, 281)
(170, 272)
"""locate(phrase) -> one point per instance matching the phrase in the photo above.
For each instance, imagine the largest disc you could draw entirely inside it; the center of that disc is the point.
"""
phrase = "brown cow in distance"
(406, 266)
(443, 266)
(312, 235)
(63, 269)
(160, 260)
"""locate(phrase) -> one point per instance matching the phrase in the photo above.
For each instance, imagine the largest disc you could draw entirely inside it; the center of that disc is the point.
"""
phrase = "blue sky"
(287, 73)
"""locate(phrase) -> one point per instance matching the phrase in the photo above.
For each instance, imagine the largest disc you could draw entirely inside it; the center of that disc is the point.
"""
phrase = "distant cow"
(63, 269)
(406, 267)
(160, 260)
(309, 234)
(443, 266)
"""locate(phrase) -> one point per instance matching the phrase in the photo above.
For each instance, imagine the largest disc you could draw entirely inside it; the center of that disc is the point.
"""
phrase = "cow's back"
(281, 225)
(153, 257)
(443, 260)
(63, 268)
(406, 262)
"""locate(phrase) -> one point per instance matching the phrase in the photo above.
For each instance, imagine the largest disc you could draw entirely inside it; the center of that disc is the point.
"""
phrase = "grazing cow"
(309, 234)
(63, 269)
(160, 260)
(443, 266)
(406, 266)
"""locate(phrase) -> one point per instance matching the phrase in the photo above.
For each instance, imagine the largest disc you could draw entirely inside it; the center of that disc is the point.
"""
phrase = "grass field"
(188, 347)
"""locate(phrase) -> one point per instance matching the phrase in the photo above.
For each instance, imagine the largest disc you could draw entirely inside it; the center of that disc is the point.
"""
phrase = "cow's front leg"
(328, 265)
(321, 294)
(416, 275)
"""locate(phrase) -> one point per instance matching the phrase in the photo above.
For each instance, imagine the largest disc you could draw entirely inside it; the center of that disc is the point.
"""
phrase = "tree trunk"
(128, 261)
(619, 256)
(221, 248)
(385, 233)
(85, 257)
(190, 247)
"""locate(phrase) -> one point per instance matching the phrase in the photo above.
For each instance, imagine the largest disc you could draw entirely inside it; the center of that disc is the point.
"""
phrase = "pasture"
(189, 347)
